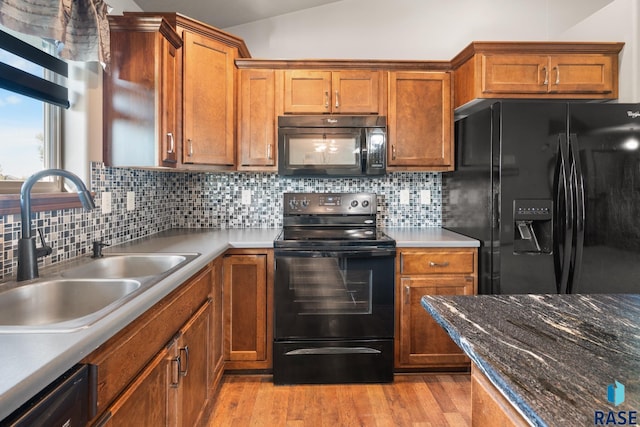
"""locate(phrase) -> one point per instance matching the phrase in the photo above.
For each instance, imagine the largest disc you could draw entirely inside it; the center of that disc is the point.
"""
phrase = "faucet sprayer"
(27, 253)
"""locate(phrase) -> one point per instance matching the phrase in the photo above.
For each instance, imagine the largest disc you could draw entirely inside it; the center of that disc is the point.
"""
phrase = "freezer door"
(607, 137)
(529, 145)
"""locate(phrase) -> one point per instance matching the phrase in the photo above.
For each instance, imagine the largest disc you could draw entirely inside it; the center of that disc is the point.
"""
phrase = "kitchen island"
(552, 357)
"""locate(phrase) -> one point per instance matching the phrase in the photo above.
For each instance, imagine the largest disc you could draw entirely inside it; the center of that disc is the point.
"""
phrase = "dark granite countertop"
(552, 356)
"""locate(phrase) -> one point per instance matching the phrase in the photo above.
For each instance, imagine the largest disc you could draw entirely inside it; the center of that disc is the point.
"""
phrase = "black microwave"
(332, 146)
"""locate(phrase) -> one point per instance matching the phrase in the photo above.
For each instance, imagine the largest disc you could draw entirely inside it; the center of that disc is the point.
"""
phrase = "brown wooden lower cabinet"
(248, 284)
(420, 342)
(488, 405)
(160, 370)
(173, 389)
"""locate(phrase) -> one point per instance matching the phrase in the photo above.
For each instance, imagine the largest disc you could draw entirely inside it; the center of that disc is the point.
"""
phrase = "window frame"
(51, 194)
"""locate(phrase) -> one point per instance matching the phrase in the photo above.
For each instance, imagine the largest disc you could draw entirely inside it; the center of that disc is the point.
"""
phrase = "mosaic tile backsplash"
(166, 199)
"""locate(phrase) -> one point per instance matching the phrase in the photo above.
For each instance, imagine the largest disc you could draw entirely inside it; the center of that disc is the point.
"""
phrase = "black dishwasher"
(67, 402)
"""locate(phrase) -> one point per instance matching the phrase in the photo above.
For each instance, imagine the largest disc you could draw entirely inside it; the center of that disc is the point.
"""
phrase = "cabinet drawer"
(437, 262)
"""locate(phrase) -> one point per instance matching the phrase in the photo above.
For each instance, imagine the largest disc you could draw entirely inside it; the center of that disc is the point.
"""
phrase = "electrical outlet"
(404, 197)
(105, 198)
(246, 197)
(131, 200)
(425, 197)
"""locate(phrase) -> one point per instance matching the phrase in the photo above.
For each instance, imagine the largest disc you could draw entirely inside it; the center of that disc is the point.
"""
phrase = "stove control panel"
(330, 203)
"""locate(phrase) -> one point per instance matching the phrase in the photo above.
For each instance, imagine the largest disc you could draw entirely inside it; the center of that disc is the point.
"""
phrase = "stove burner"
(336, 219)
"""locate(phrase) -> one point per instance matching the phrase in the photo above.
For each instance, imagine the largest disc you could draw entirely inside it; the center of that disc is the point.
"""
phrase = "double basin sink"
(83, 294)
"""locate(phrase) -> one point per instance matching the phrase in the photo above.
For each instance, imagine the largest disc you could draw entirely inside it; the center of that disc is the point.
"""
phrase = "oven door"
(334, 294)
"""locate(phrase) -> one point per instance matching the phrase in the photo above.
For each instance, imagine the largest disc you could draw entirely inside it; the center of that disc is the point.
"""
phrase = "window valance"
(80, 27)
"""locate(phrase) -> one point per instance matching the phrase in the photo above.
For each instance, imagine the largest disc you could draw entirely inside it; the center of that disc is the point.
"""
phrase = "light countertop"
(31, 361)
(429, 237)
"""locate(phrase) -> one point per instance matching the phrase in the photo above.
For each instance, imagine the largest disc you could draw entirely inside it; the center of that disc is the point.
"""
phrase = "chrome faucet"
(27, 253)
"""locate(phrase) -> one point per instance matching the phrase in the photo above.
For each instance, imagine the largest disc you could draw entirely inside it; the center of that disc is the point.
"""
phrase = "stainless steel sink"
(81, 295)
(128, 266)
(61, 305)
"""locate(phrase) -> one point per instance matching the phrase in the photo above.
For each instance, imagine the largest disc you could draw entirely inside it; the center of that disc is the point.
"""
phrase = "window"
(29, 126)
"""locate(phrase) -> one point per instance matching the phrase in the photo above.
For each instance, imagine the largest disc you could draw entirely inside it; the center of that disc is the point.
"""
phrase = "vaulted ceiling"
(229, 13)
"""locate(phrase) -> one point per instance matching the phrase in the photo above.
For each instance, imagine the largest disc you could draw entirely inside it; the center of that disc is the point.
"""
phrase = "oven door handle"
(361, 252)
(333, 350)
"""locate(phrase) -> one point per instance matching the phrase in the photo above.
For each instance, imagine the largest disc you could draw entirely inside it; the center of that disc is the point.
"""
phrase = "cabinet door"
(195, 372)
(257, 118)
(245, 308)
(422, 341)
(512, 74)
(139, 93)
(355, 92)
(420, 123)
(581, 74)
(208, 98)
(168, 106)
(150, 400)
(307, 91)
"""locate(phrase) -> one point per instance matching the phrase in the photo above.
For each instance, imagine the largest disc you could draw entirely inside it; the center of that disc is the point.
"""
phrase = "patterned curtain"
(80, 27)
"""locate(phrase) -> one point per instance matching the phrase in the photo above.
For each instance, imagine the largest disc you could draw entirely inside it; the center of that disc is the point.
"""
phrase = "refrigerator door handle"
(577, 183)
(563, 217)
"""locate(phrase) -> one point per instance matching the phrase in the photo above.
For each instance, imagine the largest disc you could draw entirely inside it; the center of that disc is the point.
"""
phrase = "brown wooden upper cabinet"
(536, 70)
(420, 121)
(139, 103)
(187, 82)
(336, 92)
(208, 99)
(257, 127)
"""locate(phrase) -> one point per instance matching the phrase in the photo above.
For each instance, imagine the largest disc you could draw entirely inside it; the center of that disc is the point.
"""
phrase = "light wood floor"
(412, 400)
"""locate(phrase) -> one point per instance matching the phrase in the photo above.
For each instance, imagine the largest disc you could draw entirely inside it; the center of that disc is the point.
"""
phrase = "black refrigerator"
(552, 191)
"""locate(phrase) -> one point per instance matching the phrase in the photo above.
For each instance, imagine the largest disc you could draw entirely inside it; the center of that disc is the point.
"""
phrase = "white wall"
(618, 21)
(407, 29)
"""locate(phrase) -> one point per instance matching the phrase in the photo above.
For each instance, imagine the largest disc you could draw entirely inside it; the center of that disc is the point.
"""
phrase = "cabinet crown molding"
(535, 47)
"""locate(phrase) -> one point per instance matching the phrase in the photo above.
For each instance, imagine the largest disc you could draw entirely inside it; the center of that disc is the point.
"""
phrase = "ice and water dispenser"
(532, 226)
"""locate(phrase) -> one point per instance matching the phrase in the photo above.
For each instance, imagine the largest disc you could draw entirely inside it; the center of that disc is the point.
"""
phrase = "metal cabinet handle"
(269, 151)
(326, 99)
(438, 264)
(337, 100)
(172, 147)
(546, 75)
(185, 350)
(557, 68)
(190, 152)
(175, 373)
(407, 294)
(393, 152)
